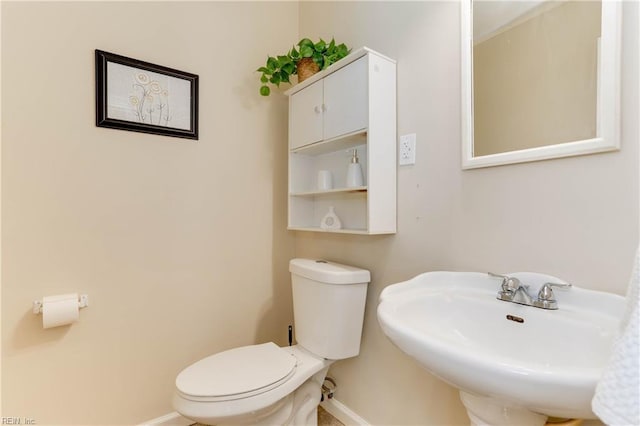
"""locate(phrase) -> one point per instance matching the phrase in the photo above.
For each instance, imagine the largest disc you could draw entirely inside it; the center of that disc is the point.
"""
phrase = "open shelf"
(339, 143)
(328, 192)
(333, 231)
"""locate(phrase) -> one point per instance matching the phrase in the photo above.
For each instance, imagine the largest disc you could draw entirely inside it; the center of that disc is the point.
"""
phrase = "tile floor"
(326, 419)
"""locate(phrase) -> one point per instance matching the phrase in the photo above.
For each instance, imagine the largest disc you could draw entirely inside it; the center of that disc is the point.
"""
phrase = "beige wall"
(534, 84)
(181, 245)
(576, 218)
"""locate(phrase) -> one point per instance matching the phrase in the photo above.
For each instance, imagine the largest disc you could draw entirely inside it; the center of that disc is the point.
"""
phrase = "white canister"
(325, 180)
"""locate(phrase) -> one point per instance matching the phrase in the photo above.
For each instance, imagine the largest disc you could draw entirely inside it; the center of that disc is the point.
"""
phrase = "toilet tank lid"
(328, 272)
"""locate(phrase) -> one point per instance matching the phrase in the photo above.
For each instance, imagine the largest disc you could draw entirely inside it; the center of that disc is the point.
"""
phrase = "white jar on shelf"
(330, 220)
(325, 180)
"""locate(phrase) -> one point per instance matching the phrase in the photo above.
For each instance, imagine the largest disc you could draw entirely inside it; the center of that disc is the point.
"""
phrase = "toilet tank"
(328, 306)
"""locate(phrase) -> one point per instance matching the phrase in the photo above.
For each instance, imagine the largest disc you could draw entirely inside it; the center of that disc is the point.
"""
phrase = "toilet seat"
(236, 373)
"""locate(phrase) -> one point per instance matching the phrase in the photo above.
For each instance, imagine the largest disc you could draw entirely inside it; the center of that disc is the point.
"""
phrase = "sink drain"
(515, 318)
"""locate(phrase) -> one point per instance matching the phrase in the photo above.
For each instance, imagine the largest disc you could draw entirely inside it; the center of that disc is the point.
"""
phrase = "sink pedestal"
(487, 411)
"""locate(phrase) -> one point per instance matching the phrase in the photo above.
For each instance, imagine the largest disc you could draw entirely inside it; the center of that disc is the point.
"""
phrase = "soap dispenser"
(354, 172)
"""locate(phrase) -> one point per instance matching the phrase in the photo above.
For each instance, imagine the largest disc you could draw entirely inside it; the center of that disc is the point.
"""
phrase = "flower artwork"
(138, 96)
(150, 100)
(147, 97)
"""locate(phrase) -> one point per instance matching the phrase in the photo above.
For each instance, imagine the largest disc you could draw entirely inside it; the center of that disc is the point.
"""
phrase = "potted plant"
(306, 60)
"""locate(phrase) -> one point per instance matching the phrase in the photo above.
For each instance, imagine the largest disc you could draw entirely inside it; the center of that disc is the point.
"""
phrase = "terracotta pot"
(306, 68)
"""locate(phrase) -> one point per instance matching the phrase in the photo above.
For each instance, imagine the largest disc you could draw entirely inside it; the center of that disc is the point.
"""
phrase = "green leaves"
(306, 48)
(334, 54)
(280, 68)
(272, 63)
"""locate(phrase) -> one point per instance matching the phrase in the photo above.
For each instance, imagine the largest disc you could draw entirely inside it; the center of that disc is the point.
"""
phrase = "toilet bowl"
(269, 385)
(251, 385)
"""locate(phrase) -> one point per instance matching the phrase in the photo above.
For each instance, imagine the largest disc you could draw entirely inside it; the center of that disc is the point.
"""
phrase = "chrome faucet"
(513, 290)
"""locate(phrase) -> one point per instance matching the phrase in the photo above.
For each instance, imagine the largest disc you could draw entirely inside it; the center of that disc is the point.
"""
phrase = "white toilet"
(269, 385)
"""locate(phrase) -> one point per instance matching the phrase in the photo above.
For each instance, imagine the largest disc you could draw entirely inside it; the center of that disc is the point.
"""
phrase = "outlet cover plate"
(407, 150)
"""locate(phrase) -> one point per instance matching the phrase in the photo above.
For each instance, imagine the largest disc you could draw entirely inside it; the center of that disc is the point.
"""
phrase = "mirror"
(540, 80)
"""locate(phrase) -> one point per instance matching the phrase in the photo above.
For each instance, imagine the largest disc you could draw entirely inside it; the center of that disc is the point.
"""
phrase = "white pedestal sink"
(513, 364)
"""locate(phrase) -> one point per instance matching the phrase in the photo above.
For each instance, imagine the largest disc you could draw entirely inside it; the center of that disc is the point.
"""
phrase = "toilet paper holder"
(83, 302)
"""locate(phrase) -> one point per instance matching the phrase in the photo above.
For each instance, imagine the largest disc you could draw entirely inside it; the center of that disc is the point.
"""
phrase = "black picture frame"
(157, 99)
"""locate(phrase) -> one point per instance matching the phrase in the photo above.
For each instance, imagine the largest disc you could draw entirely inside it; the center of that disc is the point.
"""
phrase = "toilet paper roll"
(59, 310)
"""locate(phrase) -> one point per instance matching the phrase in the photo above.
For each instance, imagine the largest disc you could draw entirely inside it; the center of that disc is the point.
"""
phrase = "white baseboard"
(171, 419)
(343, 413)
(333, 407)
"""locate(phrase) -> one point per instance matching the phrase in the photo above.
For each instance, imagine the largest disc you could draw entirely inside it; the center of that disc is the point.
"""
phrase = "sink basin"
(533, 361)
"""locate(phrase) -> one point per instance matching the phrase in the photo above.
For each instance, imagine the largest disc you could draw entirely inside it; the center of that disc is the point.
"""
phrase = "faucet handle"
(546, 293)
(509, 287)
(546, 299)
(506, 291)
(491, 274)
(509, 284)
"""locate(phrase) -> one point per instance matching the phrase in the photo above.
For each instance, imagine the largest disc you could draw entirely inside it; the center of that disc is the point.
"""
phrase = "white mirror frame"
(607, 97)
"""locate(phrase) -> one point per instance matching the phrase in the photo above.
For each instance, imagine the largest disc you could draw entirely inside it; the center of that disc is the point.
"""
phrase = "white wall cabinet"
(330, 107)
(350, 105)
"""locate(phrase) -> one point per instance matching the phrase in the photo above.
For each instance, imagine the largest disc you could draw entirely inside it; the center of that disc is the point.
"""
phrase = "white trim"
(333, 407)
(608, 97)
(343, 413)
(171, 419)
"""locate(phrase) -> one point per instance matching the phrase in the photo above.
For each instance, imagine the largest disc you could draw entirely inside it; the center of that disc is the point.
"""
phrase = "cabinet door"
(345, 99)
(305, 116)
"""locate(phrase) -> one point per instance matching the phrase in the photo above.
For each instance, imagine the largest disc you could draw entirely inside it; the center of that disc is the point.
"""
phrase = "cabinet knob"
(317, 109)
(324, 108)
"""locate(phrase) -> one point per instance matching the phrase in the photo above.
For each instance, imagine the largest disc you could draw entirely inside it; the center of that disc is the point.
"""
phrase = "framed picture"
(143, 97)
